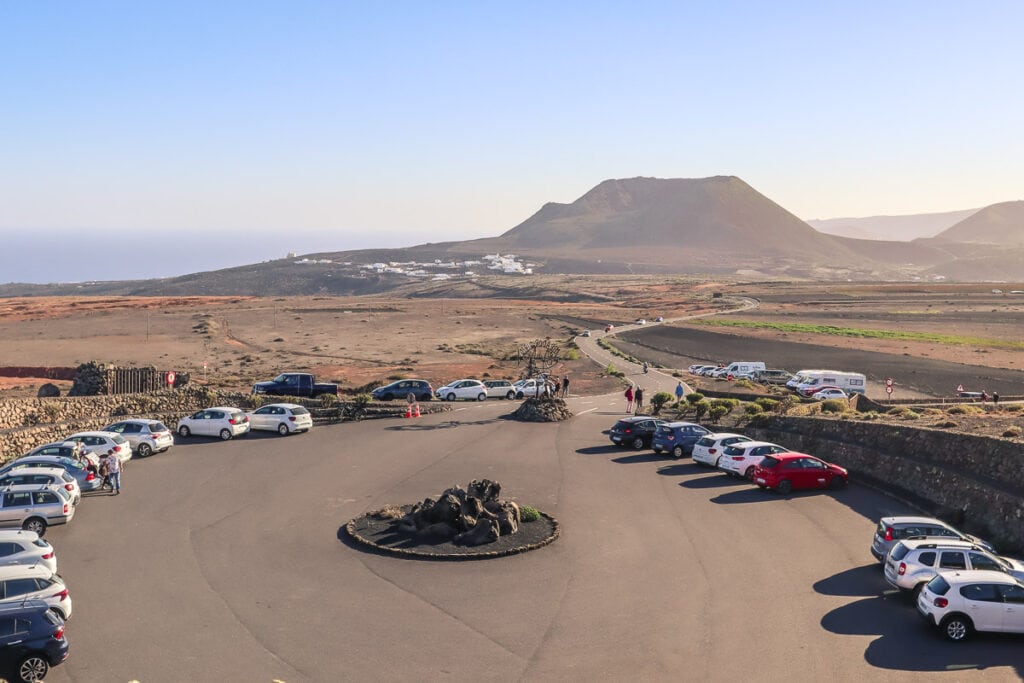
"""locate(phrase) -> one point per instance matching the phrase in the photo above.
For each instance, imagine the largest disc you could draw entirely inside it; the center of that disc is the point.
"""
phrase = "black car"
(31, 640)
(402, 388)
(635, 431)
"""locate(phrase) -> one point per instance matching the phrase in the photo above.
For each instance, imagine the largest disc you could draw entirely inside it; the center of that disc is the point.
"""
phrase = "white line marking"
(586, 411)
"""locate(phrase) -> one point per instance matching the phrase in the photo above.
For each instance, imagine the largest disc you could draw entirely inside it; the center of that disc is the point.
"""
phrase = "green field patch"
(857, 332)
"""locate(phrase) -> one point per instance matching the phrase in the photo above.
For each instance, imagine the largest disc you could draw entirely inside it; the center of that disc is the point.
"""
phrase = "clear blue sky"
(332, 125)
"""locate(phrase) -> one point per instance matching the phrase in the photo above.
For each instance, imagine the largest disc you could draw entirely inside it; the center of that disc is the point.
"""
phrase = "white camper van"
(850, 382)
(742, 367)
(800, 377)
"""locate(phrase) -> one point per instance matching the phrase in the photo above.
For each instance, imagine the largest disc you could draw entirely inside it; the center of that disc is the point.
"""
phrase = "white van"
(800, 377)
(742, 367)
(850, 382)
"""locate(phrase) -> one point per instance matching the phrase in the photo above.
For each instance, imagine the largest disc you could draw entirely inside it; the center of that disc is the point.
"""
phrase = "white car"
(739, 459)
(826, 394)
(912, 563)
(499, 388)
(529, 388)
(35, 582)
(283, 418)
(102, 442)
(223, 421)
(146, 437)
(640, 321)
(962, 602)
(44, 476)
(708, 449)
(21, 547)
(467, 389)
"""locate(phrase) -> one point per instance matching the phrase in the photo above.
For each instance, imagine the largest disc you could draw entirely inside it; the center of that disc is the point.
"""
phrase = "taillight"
(47, 556)
(231, 420)
(903, 568)
(65, 508)
(117, 449)
(69, 487)
(90, 476)
(291, 418)
(627, 431)
(888, 533)
(63, 595)
(941, 602)
(712, 450)
(59, 633)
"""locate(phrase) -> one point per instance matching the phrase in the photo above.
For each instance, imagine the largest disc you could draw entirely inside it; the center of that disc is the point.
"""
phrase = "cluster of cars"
(819, 385)
(767, 465)
(461, 389)
(226, 422)
(957, 581)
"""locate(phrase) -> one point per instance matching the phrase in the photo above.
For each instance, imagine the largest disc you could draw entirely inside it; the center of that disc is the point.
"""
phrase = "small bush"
(360, 401)
(694, 398)
(254, 400)
(911, 415)
(767, 404)
(1013, 432)
(717, 412)
(700, 408)
(872, 415)
(947, 424)
(571, 354)
(1013, 407)
(659, 400)
(963, 409)
(328, 400)
(610, 370)
(528, 514)
(744, 383)
(834, 405)
(753, 409)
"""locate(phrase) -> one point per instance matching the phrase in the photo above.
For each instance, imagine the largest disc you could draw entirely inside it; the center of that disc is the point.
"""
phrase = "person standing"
(639, 399)
(679, 390)
(629, 398)
(113, 471)
(565, 386)
(995, 398)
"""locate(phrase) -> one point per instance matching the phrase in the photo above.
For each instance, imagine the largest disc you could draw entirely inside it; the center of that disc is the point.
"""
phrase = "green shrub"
(659, 400)
(328, 400)
(753, 409)
(694, 398)
(254, 400)
(717, 412)
(911, 415)
(1013, 407)
(528, 514)
(834, 405)
(571, 354)
(700, 408)
(767, 404)
(360, 401)
(963, 409)
(947, 424)
(610, 370)
(744, 383)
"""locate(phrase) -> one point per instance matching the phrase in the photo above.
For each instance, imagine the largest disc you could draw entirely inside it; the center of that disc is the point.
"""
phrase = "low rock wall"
(974, 481)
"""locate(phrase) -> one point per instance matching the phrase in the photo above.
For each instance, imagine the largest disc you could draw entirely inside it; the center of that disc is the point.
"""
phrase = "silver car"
(43, 476)
(145, 437)
(86, 478)
(34, 508)
(283, 418)
(892, 529)
(912, 564)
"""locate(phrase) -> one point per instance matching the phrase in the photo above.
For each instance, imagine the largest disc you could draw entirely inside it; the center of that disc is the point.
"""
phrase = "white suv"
(468, 389)
(912, 564)
(740, 459)
(35, 582)
(708, 449)
(960, 603)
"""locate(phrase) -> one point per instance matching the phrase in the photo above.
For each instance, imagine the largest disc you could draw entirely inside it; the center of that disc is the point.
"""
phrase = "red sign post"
(170, 377)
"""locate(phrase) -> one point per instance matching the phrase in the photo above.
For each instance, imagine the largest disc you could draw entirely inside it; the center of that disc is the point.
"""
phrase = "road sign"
(888, 389)
(888, 382)
(170, 378)
(959, 387)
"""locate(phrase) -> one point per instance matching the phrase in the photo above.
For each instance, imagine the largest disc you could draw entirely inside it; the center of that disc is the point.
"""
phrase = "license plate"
(616, 439)
(760, 480)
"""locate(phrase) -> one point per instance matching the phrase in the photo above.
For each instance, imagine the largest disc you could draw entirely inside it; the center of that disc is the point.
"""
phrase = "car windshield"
(706, 441)
(158, 427)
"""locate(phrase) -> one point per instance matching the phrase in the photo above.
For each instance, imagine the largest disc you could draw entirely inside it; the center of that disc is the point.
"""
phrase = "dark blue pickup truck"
(294, 384)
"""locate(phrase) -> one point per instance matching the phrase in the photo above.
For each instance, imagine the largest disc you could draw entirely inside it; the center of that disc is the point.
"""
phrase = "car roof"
(29, 487)
(281, 405)
(909, 519)
(682, 424)
(20, 606)
(792, 455)
(94, 433)
(23, 571)
(916, 543)
(56, 470)
(717, 436)
(637, 418)
(987, 575)
(10, 534)
(754, 444)
(229, 408)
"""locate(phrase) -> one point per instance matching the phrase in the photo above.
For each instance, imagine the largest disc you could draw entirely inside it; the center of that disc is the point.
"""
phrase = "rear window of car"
(299, 410)
(899, 551)
(158, 427)
(665, 430)
(938, 585)
(733, 450)
(769, 462)
(705, 441)
(622, 425)
(118, 439)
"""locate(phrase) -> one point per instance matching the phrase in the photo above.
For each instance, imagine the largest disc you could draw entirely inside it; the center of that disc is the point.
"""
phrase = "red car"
(785, 472)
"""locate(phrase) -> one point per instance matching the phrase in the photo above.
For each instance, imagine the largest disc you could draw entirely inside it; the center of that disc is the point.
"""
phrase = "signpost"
(888, 387)
(170, 378)
(959, 388)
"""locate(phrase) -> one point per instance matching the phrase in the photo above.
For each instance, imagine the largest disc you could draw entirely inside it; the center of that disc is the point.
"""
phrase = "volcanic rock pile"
(472, 516)
(542, 410)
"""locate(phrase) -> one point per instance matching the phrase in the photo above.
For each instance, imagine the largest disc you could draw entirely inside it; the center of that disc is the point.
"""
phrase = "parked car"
(87, 480)
(635, 432)
(526, 388)
(640, 321)
(18, 546)
(586, 333)
(295, 384)
(830, 393)
(677, 438)
(400, 389)
(499, 388)
(43, 476)
(101, 443)
(774, 377)
(740, 459)
(466, 389)
(31, 640)
(659, 319)
(145, 437)
(35, 507)
(960, 603)
(912, 564)
(35, 582)
(710, 370)
(223, 421)
(65, 449)
(708, 449)
(283, 418)
(785, 472)
(896, 528)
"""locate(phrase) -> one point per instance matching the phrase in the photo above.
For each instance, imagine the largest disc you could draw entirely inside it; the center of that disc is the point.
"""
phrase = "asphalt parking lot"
(222, 561)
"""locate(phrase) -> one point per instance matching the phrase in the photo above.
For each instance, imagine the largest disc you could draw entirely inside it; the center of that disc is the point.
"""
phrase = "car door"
(815, 473)
(1013, 608)
(202, 424)
(983, 603)
(261, 418)
(16, 505)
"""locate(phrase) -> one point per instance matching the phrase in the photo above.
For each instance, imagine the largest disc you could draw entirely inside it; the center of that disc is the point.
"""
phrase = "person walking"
(565, 386)
(995, 398)
(679, 390)
(113, 471)
(639, 394)
(629, 398)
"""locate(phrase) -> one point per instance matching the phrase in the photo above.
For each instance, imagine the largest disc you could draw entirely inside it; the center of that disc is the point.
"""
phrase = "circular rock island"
(469, 523)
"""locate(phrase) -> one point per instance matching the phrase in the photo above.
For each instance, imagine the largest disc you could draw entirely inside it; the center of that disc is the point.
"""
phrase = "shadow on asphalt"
(639, 457)
(747, 495)
(423, 427)
(866, 580)
(715, 480)
(679, 469)
(599, 450)
(907, 643)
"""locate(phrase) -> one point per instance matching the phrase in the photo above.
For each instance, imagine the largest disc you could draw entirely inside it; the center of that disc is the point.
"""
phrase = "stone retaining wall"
(972, 480)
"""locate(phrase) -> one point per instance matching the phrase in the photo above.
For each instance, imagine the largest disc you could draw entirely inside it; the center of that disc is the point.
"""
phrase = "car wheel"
(749, 474)
(482, 397)
(282, 429)
(677, 451)
(144, 450)
(510, 395)
(784, 486)
(33, 668)
(638, 443)
(450, 397)
(387, 397)
(956, 628)
(225, 435)
(35, 525)
(837, 483)
(520, 396)
(184, 431)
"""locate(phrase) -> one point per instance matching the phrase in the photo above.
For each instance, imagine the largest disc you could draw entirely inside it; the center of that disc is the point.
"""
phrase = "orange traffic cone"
(417, 413)
(408, 410)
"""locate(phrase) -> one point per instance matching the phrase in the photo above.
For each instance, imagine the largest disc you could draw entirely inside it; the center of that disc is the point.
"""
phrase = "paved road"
(222, 562)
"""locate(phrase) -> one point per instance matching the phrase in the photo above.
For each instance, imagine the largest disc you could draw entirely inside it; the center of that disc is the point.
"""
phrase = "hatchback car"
(420, 388)
(640, 321)
(283, 418)
(18, 546)
(45, 476)
(892, 529)
(465, 389)
(31, 640)
(960, 603)
(64, 449)
(526, 388)
(708, 449)
(912, 564)
(499, 388)
(636, 432)
(35, 582)
(222, 421)
(677, 438)
(659, 319)
(101, 443)
(145, 437)
(87, 479)
(35, 507)
(830, 393)
(785, 472)
(740, 459)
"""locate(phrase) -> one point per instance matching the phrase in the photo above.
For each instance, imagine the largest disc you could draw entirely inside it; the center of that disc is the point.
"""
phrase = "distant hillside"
(1001, 224)
(899, 228)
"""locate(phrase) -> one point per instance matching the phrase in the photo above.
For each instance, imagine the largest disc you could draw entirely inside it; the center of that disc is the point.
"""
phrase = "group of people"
(635, 397)
(108, 467)
(552, 386)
